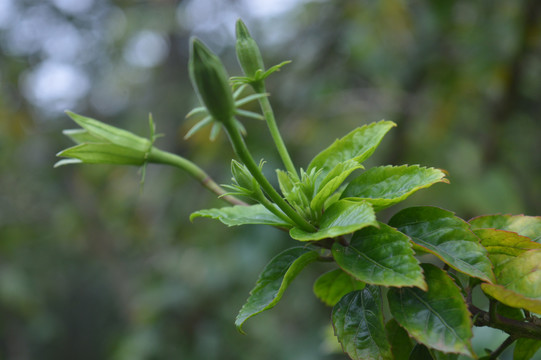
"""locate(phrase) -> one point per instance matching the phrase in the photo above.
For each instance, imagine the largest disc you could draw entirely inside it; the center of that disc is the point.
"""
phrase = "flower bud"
(99, 143)
(242, 176)
(211, 82)
(248, 53)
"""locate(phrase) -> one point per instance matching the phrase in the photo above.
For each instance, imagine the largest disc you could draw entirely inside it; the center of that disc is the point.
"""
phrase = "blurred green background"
(93, 268)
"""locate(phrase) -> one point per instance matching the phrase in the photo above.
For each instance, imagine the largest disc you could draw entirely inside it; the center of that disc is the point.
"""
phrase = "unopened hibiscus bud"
(99, 143)
(248, 53)
(211, 82)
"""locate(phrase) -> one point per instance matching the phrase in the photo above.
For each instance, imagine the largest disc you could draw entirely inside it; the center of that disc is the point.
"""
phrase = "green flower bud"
(248, 53)
(242, 176)
(211, 82)
(99, 143)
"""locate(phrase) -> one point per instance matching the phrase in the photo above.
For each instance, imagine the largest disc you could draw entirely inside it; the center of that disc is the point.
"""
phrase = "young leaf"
(439, 317)
(448, 237)
(529, 226)
(401, 344)
(519, 281)
(342, 217)
(332, 182)
(358, 145)
(380, 256)
(274, 280)
(385, 186)
(242, 215)
(525, 349)
(358, 325)
(333, 285)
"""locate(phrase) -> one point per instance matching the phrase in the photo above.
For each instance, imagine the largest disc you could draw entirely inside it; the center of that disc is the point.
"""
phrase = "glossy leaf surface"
(503, 246)
(381, 256)
(342, 217)
(333, 285)
(385, 186)
(439, 317)
(274, 280)
(242, 215)
(529, 226)
(358, 325)
(358, 145)
(519, 281)
(448, 237)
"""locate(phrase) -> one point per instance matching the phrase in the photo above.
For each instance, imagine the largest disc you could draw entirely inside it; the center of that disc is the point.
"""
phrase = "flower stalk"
(250, 60)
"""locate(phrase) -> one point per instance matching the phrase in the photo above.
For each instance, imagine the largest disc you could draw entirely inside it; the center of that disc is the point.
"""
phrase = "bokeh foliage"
(92, 268)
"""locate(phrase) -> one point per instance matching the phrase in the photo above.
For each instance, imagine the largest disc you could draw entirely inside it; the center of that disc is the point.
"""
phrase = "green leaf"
(439, 317)
(380, 256)
(342, 217)
(448, 237)
(242, 215)
(104, 153)
(512, 298)
(401, 344)
(420, 352)
(385, 186)
(274, 280)
(358, 145)
(518, 281)
(503, 246)
(332, 182)
(333, 285)
(358, 325)
(529, 226)
(525, 349)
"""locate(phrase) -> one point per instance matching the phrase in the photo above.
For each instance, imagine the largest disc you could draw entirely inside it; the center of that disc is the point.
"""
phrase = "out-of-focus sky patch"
(55, 86)
(62, 50)
(73, 7)
(146, 49)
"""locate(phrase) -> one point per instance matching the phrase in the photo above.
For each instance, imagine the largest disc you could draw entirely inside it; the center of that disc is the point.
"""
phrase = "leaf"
(380, 256)
(358, 145)
(525, 349)
(529, 226)
(503, 246)
(274, 280)
(420, 352)
(518, 281)
(242, 215)
(401, 344)
(333, 285)
(448, 237)
(332, 182)
(439, 317)
(358, 325)
(342, 217)
(385, 186)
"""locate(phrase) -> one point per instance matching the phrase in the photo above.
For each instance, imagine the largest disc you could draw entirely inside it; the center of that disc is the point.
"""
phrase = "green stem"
(268, 114)
(272, 208)
(163, 157)
(244, 154)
